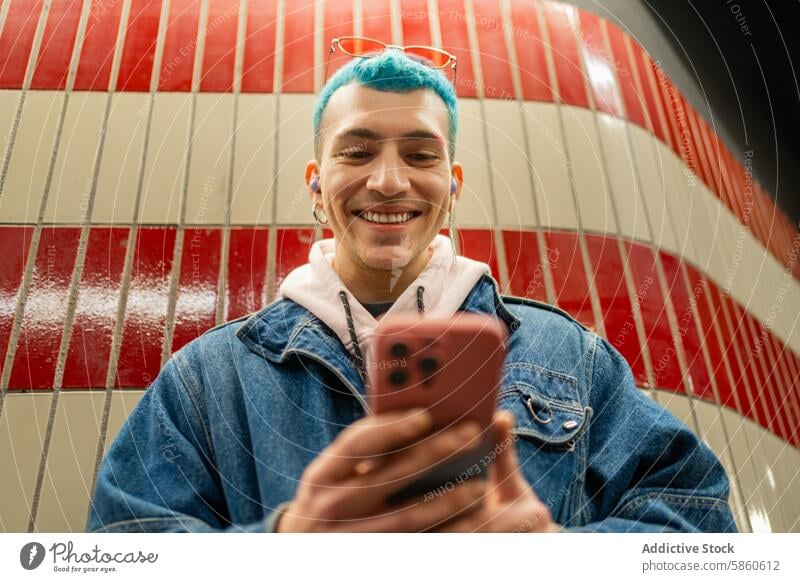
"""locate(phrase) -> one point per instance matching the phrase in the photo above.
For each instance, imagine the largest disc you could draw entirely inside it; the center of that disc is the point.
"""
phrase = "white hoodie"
(316, 287)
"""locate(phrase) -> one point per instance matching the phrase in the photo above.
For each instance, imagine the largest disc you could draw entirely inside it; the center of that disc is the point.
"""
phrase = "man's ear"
(457, 171)
(312, 171)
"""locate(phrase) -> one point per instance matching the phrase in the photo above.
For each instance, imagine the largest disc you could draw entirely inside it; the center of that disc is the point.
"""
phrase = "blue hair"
(391, 71)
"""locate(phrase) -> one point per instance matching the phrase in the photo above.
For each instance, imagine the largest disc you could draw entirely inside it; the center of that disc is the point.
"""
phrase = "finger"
(368, 492)
(422, 515)
(505, 475)
(368, 439)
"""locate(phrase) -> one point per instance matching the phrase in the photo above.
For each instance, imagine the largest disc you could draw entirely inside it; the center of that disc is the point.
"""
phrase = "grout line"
(274, 185)
(238, 65)
(358, 25)
(396, 12)
(319, 44)
(175, 273)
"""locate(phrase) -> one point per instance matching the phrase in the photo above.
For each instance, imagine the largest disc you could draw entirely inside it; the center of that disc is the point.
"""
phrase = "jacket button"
(569, 425)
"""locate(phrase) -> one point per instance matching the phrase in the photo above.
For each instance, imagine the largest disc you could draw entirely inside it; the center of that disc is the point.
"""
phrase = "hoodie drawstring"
(352, 329)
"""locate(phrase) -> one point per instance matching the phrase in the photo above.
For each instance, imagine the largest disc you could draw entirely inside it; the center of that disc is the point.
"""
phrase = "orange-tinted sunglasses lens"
(438, 58)
(357, 47)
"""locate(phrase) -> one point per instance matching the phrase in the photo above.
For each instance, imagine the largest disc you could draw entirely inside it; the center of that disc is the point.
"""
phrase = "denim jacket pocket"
(549, 423)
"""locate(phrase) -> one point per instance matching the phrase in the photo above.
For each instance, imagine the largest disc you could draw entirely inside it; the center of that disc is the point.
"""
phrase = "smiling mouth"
(386, 217)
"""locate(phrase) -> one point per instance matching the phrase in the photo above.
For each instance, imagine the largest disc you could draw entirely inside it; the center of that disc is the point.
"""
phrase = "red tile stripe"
(526, 275)
(569, 277)
(219, 52)
(529, 46)
(561, 20)
(86, 365)
(258, 71)
(245, 289)
(97, 52)
(754, 373)
(180, 44)
(196, 301)
(615, 303)
(146, 313)
(52, 64)
(17, 40)
(298, 48)
(495, 64)
(478, 244)
(338, 23)
(453, 25)
(600, 69)
(136, 65)
(14, 244)
(45, 310)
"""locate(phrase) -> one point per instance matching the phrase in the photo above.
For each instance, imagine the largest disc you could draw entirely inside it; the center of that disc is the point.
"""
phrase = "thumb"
(504, 473)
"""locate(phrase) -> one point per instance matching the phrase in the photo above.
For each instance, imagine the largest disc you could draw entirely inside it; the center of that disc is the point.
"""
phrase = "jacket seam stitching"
(683, 500)
(193, 391)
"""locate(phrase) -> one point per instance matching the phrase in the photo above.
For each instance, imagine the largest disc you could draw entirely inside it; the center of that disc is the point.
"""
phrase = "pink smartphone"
(452, 367)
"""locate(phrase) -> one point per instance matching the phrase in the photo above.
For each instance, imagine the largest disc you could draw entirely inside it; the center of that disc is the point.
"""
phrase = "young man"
(260, 424)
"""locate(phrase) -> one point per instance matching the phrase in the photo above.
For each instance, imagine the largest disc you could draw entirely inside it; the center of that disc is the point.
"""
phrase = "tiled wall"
(151, 187)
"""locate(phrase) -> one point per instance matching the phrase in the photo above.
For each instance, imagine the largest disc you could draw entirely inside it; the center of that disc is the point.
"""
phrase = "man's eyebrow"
(365, 133)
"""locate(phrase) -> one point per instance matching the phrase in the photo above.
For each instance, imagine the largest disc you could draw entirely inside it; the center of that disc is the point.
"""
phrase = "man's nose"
(388, 176)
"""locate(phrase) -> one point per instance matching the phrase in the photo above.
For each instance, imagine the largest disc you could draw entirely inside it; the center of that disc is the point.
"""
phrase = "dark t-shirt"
(377, 309)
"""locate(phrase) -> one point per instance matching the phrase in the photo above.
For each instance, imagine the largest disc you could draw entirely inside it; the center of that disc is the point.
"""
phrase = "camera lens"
(397, 377)
(429, 364)
(399, 350)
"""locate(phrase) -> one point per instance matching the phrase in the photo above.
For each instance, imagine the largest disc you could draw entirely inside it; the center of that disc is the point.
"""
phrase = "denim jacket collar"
(284, 328)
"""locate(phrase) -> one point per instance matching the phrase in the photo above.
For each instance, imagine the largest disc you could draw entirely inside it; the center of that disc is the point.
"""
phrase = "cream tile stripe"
(197, 74)
(34, 246)
(397, 22)
(505, 13)
(238, 64)
(558, 103)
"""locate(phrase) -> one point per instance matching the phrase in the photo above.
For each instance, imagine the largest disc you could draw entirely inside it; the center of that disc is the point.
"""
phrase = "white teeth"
(382, 218)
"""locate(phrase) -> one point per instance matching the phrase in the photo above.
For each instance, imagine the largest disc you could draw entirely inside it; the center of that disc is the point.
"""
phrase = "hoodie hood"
(439, 290)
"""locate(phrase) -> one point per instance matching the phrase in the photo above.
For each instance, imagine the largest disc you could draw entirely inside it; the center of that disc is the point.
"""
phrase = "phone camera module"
(399, 350)
(429, 364)
(398, 377)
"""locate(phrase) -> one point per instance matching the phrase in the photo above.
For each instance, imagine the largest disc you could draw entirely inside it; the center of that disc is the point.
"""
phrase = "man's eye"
(424, 157)
(355, 153)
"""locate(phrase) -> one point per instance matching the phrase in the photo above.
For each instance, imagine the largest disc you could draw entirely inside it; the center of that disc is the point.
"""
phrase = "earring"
(452, 230)
(316, 210)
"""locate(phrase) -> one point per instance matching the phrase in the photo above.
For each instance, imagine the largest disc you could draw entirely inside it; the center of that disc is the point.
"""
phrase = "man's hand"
(345, 487)
(510, 504)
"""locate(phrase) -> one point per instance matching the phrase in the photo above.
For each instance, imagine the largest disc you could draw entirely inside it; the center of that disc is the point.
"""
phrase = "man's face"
(384, 175)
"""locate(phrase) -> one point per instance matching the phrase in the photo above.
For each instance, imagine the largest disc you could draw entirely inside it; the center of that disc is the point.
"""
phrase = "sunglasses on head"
(362, 47)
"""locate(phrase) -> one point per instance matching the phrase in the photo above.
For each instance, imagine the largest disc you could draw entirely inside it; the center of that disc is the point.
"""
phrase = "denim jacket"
(220, 439)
